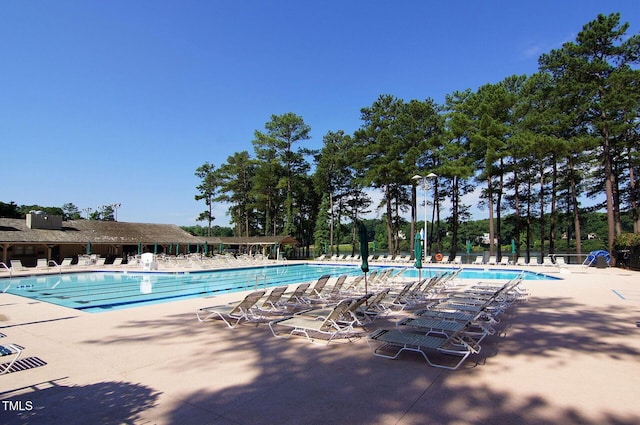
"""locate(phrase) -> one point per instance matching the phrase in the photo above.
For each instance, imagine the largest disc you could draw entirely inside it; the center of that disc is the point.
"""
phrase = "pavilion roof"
(95, 231)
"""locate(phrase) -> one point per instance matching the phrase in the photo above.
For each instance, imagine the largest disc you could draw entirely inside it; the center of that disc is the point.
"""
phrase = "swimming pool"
(104, 291)
(479, 273)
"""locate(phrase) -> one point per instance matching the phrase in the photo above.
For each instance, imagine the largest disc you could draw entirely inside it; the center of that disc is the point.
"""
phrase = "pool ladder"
(9, 269)
(257, 280)
(56, 264)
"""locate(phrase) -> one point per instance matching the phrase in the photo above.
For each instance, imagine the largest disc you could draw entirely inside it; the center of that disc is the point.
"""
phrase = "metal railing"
(9, 269)
(56, 265)
(580, 258)
(256, 285)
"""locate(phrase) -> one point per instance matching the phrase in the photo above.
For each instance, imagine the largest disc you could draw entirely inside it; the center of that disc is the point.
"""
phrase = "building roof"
(254, 240)
(95, 231)
(14, 230)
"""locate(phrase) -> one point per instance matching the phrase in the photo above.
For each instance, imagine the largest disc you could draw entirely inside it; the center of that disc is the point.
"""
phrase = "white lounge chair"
(336, 289)
(42, 263)
(473, 333)
(296, 298)
(149, 261)
(391, 343)
(492, 260)
(401, 299)
(504, 261)
(232, 315)
(66, 262)
(332, 326)
(17, 265)
(316, 292)
(10, 350)
(374, 307)
(547, 261)
(272, 304)
(479, 260)
(349, 314)
(456, 260)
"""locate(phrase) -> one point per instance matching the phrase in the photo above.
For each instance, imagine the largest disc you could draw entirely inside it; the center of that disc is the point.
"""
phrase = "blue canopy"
(593, 255)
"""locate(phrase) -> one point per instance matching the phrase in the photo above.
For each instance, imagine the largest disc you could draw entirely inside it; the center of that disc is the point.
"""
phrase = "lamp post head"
(428, 176)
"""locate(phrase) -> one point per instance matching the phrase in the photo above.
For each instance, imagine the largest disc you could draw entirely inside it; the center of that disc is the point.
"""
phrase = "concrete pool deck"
(569, 354)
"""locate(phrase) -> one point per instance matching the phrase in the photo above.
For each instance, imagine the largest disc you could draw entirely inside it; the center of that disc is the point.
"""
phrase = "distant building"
(484, 239)
(48, 236)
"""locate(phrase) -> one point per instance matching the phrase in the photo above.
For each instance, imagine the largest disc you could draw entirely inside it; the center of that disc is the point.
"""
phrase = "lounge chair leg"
(8, 350)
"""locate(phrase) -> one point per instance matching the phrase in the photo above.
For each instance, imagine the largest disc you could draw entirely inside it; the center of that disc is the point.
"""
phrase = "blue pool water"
(104, 291)
(479, 273)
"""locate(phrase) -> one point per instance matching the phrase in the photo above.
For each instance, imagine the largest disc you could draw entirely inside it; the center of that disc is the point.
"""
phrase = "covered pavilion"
(47, 236)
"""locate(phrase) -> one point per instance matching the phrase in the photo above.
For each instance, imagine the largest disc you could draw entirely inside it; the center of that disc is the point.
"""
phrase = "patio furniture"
(232, 315)
(17, 265)
(296, 298)
(392, 342)
(316, 291)
(272, 303)
(331, 326)
(10, 350)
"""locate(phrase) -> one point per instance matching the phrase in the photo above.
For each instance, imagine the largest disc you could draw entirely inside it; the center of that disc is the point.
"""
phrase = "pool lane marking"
(618, 294)
(627, 294)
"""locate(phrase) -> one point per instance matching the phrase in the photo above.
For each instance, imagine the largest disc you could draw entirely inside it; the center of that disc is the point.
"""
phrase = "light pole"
(424, 183)
(115, 209)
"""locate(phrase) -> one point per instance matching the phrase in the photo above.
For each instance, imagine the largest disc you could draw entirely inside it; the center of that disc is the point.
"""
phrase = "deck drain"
(24, 364)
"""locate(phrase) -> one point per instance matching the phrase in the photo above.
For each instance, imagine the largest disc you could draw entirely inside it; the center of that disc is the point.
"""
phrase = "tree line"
(68, 211)
(535, 145)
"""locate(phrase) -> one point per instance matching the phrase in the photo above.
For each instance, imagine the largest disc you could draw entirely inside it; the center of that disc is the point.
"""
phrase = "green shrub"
(627, 241)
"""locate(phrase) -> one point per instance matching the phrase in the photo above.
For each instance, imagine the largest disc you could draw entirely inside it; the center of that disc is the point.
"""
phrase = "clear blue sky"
(120, 101)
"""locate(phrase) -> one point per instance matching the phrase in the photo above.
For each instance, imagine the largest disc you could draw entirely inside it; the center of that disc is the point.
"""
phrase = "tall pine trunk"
(635, 202)
(552, 213)
(491, 224)
(541, 202)
(387, 191)
(455, 201)
(499, 213)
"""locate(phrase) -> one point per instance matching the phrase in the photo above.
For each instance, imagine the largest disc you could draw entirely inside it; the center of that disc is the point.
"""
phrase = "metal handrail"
(57, 265)
(579, 257)
(10, 269)
(264, 281)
